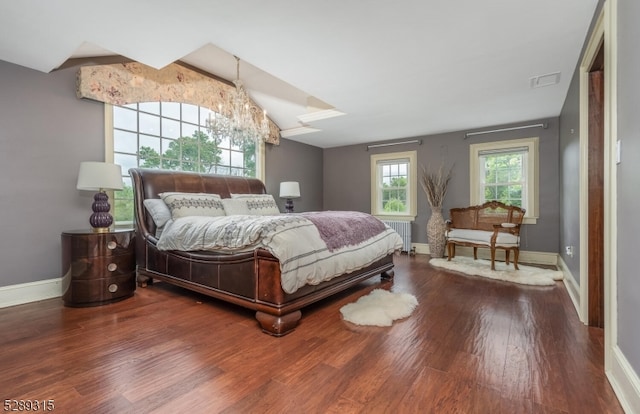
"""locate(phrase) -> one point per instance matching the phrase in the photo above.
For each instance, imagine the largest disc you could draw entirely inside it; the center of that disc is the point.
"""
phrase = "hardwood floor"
(471, 346)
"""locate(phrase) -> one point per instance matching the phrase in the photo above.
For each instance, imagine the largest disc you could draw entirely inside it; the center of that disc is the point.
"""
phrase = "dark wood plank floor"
(472, 346)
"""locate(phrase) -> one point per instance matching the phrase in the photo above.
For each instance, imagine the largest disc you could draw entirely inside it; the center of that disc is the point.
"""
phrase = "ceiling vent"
(545, 80)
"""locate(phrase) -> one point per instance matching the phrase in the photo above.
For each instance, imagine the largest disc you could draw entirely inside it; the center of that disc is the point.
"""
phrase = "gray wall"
(628, 179)
(347, 178)
(570, 165)
(570, 177)
(45, 132)
(628, 176)
(293, 161)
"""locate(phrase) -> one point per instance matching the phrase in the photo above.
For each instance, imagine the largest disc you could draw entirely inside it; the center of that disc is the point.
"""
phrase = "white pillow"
(193, 204)
(159, 211)
(235, 206)
(259, 204)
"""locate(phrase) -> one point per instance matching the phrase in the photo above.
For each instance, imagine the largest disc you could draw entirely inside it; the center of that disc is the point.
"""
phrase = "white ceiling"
(397, 69)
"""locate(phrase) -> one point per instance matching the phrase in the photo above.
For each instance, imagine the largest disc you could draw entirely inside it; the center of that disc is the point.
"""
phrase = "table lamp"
(289, 190)
(100, 176)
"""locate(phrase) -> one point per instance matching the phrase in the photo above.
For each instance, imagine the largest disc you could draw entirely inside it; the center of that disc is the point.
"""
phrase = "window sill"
(394, 217)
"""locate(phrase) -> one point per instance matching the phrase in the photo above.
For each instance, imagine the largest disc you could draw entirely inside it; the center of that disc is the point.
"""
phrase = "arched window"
(158, 119)
(174, 136)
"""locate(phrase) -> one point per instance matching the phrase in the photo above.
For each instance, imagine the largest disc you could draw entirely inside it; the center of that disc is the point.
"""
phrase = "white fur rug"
(379, 308)
(526, 275)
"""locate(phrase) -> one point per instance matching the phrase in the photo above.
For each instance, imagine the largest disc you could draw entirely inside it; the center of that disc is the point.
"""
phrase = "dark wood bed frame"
(250, 279)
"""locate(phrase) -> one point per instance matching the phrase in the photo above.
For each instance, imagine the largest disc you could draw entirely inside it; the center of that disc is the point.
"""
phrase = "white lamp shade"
(289, 189)
(97, 176)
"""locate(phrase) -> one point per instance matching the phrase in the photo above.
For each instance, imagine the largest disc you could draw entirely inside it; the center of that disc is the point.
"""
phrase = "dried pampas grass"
(435, 183)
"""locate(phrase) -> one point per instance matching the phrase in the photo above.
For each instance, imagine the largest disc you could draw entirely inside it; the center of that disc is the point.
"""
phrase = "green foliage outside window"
(504, 178)
(249, 151)
(394, 195)
(199, 152)
(123, 204)
(196, 153)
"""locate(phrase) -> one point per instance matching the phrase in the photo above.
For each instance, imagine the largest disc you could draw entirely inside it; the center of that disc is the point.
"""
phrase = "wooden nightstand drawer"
(99, 244)
(101, 266)
(100, 291)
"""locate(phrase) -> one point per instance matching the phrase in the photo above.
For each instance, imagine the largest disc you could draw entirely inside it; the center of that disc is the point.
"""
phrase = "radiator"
(404, 230)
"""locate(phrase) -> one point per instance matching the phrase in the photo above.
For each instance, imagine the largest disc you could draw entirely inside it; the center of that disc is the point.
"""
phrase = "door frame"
(604, 33)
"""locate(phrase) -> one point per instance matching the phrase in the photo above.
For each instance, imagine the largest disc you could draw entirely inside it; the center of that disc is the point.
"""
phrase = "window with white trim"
(506, 171)
(170, 135)
(393, 185)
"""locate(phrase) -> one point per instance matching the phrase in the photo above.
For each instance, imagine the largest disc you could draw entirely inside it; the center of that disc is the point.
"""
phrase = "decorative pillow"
(259, 204)
(159, 211)
(193, 204)
(508, 225)
(235, 206)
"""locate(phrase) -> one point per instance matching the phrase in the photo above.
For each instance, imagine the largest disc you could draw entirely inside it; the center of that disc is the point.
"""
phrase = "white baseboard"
(421, 248)
(571, 285)
(31, 292)
(625, 382)
(544, 258)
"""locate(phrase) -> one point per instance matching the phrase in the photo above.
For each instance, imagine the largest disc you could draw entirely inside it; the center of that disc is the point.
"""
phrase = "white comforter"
(295, 241)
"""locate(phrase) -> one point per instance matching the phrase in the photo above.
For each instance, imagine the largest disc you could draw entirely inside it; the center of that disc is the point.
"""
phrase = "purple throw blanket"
(344, 228)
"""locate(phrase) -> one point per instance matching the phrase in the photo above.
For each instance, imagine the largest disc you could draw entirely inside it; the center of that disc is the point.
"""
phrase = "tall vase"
(435, 233)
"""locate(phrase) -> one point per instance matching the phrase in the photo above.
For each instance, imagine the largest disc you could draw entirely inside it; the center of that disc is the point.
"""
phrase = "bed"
(253, 275)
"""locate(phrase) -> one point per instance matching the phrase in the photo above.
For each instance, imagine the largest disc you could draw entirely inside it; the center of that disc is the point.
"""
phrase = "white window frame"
(412, 181)
(532, 172)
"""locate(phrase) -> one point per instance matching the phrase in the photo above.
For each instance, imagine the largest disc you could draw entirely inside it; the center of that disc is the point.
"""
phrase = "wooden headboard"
(148, 183)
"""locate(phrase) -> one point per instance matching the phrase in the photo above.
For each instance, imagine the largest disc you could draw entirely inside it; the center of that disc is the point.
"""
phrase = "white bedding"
(295, 241)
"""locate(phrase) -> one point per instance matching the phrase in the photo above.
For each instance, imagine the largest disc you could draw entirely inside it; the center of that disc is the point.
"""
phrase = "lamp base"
(101, 229)
(288, 206)
(101, 220)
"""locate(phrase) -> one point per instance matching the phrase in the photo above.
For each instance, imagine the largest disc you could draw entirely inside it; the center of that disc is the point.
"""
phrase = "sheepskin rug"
(379, 308)
(526, 275)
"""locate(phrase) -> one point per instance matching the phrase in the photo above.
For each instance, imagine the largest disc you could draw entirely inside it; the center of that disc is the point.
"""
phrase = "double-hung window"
(506, 171)
(170, 135)
(393, 185)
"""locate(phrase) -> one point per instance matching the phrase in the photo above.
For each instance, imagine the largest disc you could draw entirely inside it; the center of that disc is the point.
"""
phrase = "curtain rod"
(469, 134)
(388, 144)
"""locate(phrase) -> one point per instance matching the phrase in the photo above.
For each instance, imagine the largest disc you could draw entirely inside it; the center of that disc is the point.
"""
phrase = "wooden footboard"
(251, 280)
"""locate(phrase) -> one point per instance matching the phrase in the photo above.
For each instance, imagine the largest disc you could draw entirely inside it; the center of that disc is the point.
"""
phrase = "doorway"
(595, 173)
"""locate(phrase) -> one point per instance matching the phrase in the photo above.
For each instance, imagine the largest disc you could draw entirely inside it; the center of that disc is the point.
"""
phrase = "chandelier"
(238, 118)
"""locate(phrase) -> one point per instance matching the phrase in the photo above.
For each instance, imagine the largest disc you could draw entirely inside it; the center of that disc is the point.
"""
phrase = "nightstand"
(101, 266)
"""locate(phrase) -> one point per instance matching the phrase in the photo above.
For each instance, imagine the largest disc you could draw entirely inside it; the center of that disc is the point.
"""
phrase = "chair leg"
(493, 259)
(506, 256)
(475, 253)
(516, 253)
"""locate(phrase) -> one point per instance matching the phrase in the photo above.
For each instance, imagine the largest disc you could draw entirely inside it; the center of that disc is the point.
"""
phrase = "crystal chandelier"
(239, 119)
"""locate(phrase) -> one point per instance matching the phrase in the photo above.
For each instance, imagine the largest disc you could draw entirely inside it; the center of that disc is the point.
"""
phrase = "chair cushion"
(482, 237)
